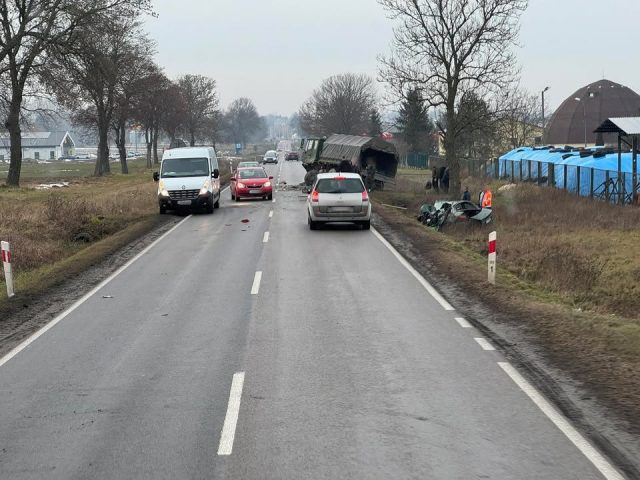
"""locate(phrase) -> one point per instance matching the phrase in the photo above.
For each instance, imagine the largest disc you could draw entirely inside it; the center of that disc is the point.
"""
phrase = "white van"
(189, 178)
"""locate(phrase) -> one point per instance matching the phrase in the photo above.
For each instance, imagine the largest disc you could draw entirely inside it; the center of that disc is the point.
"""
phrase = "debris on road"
(107, 296)
(244, 220)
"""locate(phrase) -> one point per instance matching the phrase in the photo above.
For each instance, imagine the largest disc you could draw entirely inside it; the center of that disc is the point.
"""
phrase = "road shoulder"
(585, 384)
(75, 276)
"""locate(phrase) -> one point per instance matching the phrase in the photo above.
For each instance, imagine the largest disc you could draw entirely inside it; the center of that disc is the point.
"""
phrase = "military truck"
(375, 159)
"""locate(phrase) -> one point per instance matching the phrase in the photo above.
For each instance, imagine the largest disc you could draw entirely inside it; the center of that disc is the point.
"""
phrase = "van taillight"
(315, 196)
(365, 196)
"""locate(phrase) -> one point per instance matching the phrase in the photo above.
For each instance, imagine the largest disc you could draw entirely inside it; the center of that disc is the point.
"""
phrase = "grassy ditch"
(60, 232)
(568, 271)
(585, 252)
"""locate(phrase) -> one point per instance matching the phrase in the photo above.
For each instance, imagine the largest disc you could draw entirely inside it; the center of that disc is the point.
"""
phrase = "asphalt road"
(226, 352)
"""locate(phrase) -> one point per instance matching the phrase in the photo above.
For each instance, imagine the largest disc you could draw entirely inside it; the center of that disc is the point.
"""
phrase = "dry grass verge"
(56, 233)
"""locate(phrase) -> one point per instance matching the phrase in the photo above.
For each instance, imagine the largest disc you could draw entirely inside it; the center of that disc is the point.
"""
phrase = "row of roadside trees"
(93, 58)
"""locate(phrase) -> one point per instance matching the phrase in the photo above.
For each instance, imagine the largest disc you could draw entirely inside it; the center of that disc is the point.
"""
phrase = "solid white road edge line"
(484, 343)
(16, 350)
(595, 457)
(265, 238)
(231, 418)
(255, 288)
(462, 322)
(427, 286)
(271, 214)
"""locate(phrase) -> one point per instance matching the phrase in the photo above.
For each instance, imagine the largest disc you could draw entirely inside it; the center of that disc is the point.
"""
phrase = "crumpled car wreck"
(445, 212)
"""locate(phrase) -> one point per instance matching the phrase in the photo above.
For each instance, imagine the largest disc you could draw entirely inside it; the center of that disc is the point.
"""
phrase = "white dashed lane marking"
(463, 323)
(484, 344)
(255, 288)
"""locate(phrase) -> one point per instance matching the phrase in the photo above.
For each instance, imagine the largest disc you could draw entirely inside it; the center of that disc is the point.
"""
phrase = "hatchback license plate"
(341, 209)
(255, 191)
(184, 202)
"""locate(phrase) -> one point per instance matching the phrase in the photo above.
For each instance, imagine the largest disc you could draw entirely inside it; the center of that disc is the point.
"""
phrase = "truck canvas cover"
(360, 151)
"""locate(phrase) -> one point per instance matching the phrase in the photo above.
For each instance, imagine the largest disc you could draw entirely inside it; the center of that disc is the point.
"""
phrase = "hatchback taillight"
(365, 196)
(315, 196)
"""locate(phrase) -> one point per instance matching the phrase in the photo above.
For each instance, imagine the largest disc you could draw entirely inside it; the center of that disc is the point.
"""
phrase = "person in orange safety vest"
(486, 198)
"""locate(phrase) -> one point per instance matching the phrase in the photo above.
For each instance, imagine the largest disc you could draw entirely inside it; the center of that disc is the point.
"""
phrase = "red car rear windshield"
(347, 185)
(247, 173)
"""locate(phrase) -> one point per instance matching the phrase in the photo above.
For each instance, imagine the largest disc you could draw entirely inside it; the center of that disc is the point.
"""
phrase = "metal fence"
(414, 160)
(584, 181)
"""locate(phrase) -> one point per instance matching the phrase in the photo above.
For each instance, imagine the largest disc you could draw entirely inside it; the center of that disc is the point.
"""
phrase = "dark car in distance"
(292, 156)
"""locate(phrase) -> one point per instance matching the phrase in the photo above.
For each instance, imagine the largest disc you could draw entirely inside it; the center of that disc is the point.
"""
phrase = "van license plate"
(184, 202)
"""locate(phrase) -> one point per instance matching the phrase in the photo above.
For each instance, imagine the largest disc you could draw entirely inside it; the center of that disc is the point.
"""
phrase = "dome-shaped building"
(598, 101)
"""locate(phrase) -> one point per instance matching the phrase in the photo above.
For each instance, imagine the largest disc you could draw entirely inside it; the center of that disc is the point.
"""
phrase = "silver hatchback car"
(339, 197)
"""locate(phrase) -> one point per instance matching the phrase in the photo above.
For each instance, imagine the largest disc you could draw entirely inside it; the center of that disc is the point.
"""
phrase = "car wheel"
(237, 198)
(270, 196)
(209, 207)
(163, 209)
(312, 225)
(366, 225)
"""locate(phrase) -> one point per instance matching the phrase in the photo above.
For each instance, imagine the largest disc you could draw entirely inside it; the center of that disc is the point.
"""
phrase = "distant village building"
(40, 146)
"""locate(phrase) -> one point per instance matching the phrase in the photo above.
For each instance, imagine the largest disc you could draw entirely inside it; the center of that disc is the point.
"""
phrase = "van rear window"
(185, 167)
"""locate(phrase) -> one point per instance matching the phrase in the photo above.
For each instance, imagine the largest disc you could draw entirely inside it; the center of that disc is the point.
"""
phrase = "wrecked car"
(453, 212)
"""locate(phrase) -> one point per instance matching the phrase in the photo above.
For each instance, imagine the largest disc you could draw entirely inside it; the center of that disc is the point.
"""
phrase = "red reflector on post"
(492, 246)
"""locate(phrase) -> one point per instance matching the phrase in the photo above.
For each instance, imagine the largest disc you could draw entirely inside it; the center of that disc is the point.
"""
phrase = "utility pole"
(543, 125)
(584, 118)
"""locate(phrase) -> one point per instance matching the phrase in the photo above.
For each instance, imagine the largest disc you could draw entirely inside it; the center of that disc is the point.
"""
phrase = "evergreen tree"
(414, 123)
(375, 123)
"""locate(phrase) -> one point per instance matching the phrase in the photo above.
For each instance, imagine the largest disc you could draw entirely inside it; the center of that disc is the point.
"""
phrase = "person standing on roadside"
(466, 195)
(486, 198)
(434, 179)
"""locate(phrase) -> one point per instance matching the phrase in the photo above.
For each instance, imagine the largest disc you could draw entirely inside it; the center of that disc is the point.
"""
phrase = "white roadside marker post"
(492, 258)
(6, 263)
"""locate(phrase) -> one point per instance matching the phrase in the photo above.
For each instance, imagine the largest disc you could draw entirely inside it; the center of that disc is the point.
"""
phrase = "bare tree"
(201, 100)
(28, 29)
(149, 110)
(241, 120)
(449, 48)
(174, 115)
(94, 66)
(130, 87)
(342, 104)
(519, 120)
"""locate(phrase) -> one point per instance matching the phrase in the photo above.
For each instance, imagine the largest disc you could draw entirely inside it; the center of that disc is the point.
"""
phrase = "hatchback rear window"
(252, 173)
(346, 185)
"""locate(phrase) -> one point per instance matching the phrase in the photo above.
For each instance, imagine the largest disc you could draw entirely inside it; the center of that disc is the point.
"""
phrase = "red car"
(292, 156)
(251, 183)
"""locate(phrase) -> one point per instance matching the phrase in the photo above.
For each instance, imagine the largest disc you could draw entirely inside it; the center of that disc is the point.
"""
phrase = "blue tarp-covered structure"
(600, 163)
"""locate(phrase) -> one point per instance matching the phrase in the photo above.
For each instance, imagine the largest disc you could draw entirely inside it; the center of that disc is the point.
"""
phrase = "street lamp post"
(584, 118)
(543, 126)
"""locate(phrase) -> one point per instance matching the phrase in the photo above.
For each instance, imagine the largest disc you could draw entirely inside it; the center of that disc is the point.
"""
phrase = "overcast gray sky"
(277, 51)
